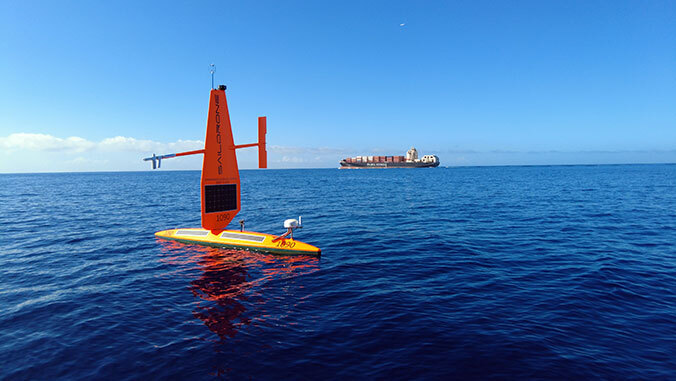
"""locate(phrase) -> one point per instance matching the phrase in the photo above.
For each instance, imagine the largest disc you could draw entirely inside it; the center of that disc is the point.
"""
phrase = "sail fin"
(220, 184)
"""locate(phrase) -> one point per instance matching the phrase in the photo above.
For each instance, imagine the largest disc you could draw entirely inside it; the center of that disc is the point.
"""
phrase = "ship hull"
(346, 165)
(245, 240)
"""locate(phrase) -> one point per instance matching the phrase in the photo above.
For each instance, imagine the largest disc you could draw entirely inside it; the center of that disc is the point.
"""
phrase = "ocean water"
(544, 272)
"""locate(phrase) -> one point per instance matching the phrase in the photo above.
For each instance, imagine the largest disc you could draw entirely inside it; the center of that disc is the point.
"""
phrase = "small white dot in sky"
(402, 24)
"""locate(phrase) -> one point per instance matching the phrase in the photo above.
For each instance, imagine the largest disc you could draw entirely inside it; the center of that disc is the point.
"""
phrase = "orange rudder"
(262, 151)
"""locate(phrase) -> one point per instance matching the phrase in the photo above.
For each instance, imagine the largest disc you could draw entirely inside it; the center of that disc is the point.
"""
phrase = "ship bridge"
(412, 154)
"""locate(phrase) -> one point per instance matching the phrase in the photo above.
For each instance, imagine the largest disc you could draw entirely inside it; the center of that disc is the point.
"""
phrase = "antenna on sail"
(212, 70)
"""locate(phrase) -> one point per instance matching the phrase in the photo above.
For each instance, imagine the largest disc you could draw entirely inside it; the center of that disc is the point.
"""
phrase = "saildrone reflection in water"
(231, 281)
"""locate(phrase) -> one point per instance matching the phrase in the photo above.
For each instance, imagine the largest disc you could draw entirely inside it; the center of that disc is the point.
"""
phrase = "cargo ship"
(411, 160)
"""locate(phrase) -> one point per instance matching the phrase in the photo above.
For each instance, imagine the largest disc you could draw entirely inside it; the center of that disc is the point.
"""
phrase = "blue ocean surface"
(540, 272)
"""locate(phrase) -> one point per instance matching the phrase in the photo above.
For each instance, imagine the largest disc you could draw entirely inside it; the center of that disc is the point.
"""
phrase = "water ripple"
(465, 273)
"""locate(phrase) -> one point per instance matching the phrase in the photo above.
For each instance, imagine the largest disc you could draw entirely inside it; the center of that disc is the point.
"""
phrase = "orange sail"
(220, 184)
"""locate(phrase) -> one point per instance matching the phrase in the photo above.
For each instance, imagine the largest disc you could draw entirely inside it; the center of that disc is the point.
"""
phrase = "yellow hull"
(240, 240)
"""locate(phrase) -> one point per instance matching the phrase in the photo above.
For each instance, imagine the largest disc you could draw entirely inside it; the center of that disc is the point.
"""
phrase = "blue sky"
(98, 85)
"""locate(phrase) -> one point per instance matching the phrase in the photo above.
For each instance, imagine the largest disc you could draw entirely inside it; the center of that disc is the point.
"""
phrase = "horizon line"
(311, 168)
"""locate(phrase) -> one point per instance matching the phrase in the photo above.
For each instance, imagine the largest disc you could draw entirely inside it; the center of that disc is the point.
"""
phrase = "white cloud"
(306, 150)
(122, 143)
(306, 157)
(30, 152)
(74, 144)
(44, 142)
(80, 160)
(292, 159)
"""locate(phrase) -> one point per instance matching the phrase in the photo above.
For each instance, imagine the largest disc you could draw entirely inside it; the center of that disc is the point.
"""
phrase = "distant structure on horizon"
(409, 161)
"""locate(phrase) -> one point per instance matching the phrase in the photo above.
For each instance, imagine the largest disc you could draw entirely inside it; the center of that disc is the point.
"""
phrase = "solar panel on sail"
(220, 198)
